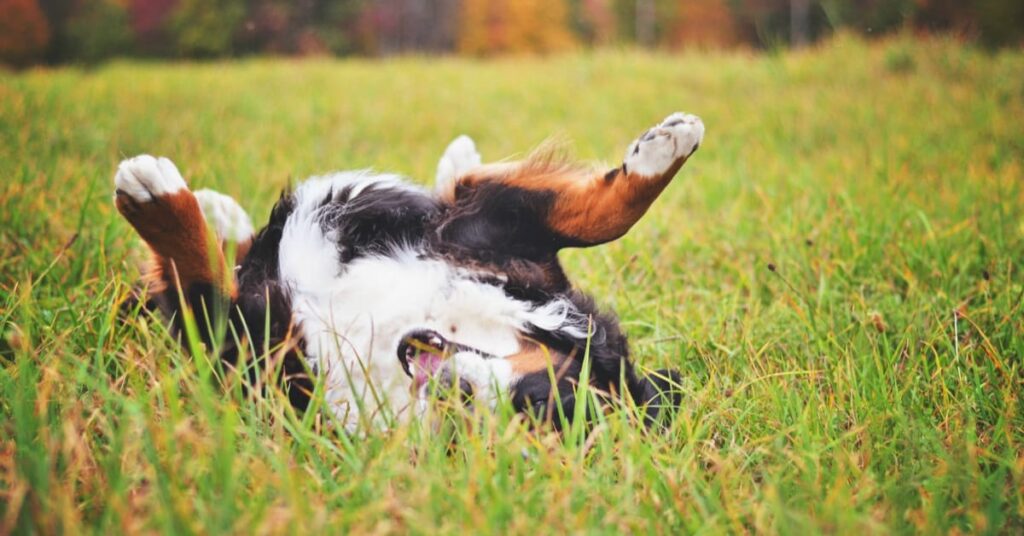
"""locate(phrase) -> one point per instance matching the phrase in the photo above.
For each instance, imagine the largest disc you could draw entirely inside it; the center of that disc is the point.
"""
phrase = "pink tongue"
(424, 366)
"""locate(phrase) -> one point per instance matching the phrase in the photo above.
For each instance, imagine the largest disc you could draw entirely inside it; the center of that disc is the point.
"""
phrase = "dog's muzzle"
(423, 354)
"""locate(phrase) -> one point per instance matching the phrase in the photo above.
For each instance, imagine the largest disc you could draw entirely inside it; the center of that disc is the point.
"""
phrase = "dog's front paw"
(224, 214)
(460, 157)
(143, 178)
(661, 148)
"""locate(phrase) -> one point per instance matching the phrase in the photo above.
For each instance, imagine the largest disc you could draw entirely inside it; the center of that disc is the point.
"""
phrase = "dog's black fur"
(496, 229)
(504, 225)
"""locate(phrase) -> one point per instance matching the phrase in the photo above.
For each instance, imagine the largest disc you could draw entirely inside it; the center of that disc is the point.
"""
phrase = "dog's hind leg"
(153, 196)
(582, 207)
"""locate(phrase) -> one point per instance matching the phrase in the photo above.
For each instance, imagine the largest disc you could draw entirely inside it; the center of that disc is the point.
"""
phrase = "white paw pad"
(658, 149)
(222, 212)
(460, 157)
(144, 177)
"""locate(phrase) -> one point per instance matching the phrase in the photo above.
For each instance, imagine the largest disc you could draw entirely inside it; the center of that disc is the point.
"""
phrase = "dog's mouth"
(423, 353)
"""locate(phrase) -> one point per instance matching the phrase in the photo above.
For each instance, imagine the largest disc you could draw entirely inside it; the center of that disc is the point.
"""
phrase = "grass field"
(838, 273)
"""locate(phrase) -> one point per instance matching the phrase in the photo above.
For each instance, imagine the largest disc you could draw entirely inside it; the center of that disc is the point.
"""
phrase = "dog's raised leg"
(153, 196)
(459, 158)
(228, 220)
(583, 207)
(599, 208)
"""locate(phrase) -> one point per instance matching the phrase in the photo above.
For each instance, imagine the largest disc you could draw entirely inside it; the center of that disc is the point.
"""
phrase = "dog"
(385, 291)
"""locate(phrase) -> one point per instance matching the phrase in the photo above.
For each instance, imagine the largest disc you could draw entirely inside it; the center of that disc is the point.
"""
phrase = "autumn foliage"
(57, 31)
(704, 23)
(493, 26)
(24, 31)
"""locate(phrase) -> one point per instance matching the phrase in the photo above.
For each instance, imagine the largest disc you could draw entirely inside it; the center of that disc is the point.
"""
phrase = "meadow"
(837, 273)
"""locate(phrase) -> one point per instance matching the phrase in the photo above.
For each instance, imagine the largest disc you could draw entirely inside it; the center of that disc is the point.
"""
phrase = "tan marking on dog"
(535, 357)
(173, 227)
(590, 206)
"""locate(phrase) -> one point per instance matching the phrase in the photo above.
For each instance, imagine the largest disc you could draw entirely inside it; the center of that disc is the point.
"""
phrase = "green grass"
(871, 383)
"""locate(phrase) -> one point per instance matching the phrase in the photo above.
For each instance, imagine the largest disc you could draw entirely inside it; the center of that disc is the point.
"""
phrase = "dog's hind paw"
(661, 148)
(224, 214)
(143, 178)
(460, 157)
(153, 196)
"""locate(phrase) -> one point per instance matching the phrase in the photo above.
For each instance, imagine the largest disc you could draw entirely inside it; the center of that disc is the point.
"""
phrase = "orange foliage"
(24, 31)
(600, 18)
(494, 26)
(707, 23)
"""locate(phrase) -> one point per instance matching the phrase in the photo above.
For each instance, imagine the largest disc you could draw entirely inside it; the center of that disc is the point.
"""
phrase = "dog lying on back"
(385, 291)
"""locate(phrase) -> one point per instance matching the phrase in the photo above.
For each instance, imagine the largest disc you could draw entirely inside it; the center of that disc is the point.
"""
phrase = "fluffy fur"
(382, 289)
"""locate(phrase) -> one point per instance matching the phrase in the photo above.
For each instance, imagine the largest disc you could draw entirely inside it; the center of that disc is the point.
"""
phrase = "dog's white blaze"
(354, 315)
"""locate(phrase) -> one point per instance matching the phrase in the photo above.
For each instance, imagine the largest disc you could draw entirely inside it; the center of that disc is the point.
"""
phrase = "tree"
(98, 30)
(393, 26)
(870, 16)
(646, 17)
(334, 22)
(594, 21)
(206, 28)
(1001, 22)
(488, 27)
(549, 30)
(703, 22)
(799, 22)
(150, 20)
(476, 28)
(24, 32)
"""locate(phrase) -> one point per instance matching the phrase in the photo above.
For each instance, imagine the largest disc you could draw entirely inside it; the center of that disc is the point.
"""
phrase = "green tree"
(206, 28)
(334, 23)
(1000, 22)
(98, 30)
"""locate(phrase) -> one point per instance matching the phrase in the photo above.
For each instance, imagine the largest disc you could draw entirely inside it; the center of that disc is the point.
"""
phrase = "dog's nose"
(465, 391)
(447, 383)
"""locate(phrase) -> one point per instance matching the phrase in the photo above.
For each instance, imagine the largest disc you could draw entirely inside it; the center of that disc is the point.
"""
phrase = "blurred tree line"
(57, 31)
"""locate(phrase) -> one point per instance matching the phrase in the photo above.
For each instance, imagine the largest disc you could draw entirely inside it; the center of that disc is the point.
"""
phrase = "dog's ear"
(662, 393)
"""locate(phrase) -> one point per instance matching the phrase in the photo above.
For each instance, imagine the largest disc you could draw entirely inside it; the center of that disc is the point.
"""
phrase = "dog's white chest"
(354, 323)
(353, 315)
